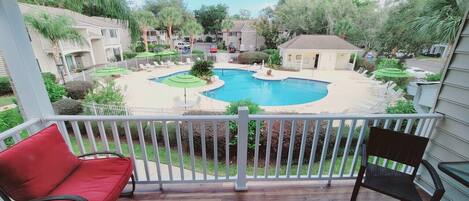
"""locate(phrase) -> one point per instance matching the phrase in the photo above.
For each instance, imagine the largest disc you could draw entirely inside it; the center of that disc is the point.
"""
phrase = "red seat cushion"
(35, 166)
(97, 179)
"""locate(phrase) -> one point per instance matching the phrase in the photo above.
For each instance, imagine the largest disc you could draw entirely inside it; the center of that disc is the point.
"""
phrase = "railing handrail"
(19, 128)
(141, 118)
(343, 116)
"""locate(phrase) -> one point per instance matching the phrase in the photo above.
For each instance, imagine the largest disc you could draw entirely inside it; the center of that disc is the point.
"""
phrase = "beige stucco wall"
(45, 59)
(343, 61)
(296, 59)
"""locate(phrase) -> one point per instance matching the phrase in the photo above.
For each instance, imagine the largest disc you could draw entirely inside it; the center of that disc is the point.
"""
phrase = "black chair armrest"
(439, 188)
(364, 156)
(102, 152)
(435, 177)
(61, 197)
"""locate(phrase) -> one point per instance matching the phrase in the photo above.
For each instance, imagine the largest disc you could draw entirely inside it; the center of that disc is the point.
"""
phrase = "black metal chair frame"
(5, 197)
(410, 159)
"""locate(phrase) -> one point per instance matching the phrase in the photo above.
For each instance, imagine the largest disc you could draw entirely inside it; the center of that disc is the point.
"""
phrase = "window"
(113, 33)
(298, 57)
(103, 32)
(289, 57)
(233, 34)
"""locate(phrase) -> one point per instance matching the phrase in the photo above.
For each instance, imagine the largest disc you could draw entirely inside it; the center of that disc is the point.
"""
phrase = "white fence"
(238, 148)
(122, 110)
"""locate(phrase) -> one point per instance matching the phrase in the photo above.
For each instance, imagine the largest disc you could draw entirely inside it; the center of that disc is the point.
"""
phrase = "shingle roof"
(239, 25)
(326, 42)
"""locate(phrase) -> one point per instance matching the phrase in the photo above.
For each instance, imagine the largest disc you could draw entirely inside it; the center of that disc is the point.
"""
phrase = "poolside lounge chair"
(188, 61)
(157, 65)
(148, 65)
(170, 63)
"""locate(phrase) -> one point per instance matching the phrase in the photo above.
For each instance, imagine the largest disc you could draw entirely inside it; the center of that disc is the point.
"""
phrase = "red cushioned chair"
(42, 167)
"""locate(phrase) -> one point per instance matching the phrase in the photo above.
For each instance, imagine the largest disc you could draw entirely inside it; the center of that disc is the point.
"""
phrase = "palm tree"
(55, 28)
(169, 18)
(192, 28)
(145, 20)
(440, 19)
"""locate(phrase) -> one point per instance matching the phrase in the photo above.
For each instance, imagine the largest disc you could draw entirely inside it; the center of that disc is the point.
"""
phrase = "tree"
(157, 6)
(397, 33)
(244, 14)
(270, 31)
(117, 9)
(440, 20)
(169, 18)
(192, 28)
(145, 20)
(55, 29)
(211, 17)
(301, 16)
(227, 24)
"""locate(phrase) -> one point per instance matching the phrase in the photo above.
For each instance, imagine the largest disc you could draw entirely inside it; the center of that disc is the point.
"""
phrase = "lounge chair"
(188, 61)
(157, 65)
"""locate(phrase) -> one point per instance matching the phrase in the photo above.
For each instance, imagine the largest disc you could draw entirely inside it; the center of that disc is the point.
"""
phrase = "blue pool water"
(240, 84)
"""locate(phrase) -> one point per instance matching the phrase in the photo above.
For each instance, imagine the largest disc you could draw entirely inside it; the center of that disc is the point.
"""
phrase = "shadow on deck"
(263, 190)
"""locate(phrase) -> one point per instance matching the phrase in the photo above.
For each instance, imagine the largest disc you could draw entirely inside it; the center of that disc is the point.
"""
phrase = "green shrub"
(55, 90)
(202, 69)
(10, 118)
(129, 54)
(78, 89)
(252, 57)
(208, 39)
(108, 94)
(275, 60)
(221, 46)
(49, 76)
(433, 77)
(390, 63)
(162, 46)
(253, 109)
(67, 106)
(198, 52)
(270, 51)
(5, 86)
(401, 107)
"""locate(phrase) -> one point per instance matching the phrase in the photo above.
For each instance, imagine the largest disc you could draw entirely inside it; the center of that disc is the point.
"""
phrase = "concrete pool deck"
(348, 91)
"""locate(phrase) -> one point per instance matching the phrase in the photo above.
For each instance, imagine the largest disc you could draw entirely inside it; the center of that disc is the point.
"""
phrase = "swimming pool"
(240, 84)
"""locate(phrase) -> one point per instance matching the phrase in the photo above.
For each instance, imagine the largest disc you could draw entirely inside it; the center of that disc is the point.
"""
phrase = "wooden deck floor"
(274, 191)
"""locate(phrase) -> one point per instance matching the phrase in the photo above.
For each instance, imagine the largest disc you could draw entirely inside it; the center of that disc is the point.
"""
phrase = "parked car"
(182, 45)
(213, 49)
(231, 48)
(418, 72)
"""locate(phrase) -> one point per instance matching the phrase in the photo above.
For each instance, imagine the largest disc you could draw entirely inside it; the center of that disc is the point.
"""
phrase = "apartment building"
(105, 41)
(243, 36)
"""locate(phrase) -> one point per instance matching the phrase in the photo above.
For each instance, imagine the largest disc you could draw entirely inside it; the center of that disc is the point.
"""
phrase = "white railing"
(180, 149)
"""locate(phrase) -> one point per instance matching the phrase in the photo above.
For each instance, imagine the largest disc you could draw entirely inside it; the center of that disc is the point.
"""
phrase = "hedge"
(78, 89)
(252, 57)
(67, 106)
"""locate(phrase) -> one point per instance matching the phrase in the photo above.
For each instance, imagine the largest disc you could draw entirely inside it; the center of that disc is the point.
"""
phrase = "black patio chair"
(402, 148)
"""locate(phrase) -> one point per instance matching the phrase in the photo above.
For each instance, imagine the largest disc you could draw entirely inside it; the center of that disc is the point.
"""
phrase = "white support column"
(242, 152)
(21, 63)
(354, 60)
(64, 61)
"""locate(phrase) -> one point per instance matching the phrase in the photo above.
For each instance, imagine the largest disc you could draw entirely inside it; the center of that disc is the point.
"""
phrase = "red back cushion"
(35, 166)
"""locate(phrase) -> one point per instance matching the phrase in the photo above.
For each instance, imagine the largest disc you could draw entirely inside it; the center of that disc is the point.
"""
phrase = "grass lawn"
(6, 100)
(199, 164)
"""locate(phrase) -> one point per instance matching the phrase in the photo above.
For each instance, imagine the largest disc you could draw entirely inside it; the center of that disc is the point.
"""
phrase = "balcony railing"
(238, 148)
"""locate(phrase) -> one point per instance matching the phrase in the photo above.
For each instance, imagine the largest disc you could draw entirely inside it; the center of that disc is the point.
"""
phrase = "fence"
(122, 110)
(237, 148)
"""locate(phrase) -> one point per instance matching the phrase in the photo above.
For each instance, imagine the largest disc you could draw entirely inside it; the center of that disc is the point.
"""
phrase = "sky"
(234, 5)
